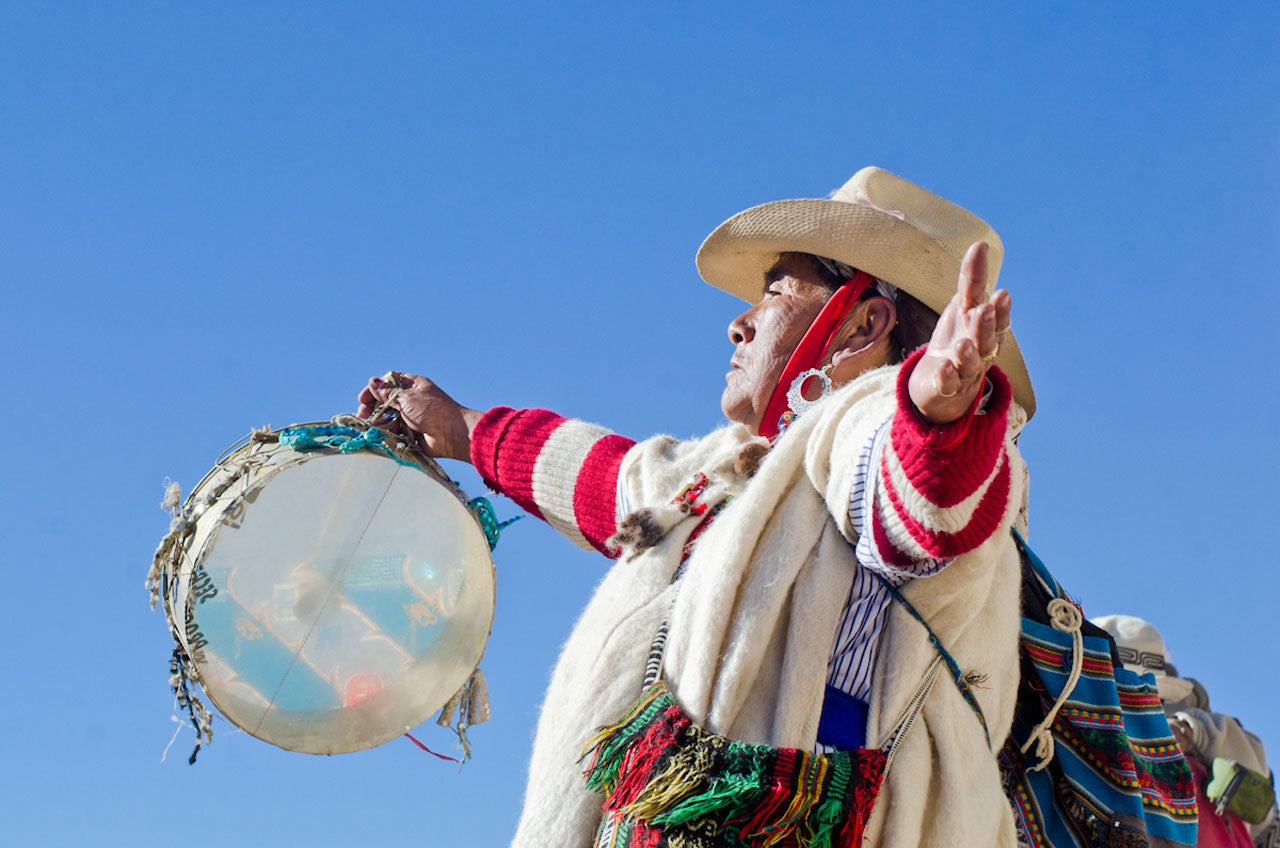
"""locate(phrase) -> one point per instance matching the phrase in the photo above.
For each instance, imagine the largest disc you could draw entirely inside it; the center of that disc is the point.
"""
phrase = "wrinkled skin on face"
(766, 334)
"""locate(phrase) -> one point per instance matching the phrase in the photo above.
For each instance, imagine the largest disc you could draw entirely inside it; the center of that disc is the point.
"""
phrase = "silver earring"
(795, 395)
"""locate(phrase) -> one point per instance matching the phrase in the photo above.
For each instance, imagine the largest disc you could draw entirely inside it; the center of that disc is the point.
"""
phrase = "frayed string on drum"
(469, 706)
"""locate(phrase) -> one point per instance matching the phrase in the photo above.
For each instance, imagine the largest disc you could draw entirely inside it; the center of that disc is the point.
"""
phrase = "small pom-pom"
(749, 458)
(638, 532)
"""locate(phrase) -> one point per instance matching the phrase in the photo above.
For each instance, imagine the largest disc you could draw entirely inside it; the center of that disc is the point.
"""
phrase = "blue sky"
(215, 217)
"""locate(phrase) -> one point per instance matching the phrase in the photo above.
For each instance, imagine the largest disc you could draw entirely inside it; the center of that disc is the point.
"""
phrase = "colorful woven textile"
(1116, 776)
(669, 783)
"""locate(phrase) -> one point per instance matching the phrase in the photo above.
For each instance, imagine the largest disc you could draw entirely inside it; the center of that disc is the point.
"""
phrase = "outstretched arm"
(942, 479)
(558, 469)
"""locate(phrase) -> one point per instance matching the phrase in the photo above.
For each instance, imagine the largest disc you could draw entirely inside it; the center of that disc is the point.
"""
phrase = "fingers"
(983, 333)
(420, 412)
(968, 362)
(378, 391)
(368, 398)
(984, 319)
(986, 325)
(973, 276)
(1003, 303)
(965, 363)
(947, 382)
(990, 323)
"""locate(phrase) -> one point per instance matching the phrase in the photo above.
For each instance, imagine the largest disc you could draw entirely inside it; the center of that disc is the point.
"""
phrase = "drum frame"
(174, 558)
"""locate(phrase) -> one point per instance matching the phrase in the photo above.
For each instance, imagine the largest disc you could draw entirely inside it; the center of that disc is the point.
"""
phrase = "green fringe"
(733, 791)
(726, 798)
(701, 788)
(829, 814)
(608, 747)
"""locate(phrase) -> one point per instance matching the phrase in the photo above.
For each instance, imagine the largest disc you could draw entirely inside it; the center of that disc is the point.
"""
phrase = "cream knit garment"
(753, 624)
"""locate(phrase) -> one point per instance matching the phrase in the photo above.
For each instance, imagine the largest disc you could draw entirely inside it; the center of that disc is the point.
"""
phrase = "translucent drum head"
(332, 601)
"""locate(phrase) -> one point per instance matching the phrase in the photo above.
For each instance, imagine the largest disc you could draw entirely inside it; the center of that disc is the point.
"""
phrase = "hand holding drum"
(426, 415)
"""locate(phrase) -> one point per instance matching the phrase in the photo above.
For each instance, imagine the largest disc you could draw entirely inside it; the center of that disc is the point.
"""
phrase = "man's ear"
(861, 335)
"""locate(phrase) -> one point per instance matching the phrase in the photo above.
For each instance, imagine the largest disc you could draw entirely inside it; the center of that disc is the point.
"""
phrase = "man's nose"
(741, 330)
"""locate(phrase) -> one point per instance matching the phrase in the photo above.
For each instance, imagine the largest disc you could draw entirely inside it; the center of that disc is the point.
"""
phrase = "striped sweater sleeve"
(561, 470)
(943, 490)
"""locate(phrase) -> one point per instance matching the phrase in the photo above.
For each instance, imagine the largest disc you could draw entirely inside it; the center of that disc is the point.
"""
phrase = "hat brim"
(738, 253)
(1173, 689)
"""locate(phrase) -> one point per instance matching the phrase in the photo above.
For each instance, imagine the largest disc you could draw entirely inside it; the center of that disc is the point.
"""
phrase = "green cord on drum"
(345, 439)
(489, 520)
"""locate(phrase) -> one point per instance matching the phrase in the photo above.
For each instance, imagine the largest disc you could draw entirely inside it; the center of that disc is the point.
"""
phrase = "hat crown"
(951, 226)
(1136, 636)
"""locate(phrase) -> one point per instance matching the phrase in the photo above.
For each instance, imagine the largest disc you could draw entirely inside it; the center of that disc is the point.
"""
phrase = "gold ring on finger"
(991, 357)
(937, 388)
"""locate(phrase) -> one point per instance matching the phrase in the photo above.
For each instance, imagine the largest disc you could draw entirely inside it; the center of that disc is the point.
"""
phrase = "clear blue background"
(219, 216)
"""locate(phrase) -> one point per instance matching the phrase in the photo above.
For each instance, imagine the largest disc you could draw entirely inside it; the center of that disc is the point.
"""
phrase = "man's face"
(766, 334)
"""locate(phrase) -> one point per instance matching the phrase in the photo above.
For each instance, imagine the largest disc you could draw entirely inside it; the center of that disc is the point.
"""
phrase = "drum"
(326, 588)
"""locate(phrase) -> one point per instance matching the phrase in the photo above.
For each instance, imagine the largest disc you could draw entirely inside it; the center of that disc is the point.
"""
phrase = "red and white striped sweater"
(941, 491)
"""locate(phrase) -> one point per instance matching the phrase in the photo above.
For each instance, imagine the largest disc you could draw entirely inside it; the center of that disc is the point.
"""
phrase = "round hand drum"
(329, 593)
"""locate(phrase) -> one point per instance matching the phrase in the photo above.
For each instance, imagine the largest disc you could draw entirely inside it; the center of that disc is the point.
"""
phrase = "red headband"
(812, 348)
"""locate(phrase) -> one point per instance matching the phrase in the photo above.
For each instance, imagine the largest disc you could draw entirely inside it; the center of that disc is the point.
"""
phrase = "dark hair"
(915, 320)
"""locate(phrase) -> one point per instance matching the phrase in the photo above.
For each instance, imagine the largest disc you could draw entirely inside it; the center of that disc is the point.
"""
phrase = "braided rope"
(1064, 616)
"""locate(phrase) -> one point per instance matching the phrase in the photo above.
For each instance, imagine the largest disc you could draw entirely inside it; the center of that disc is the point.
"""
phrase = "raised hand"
(425, 414)
(965, 342)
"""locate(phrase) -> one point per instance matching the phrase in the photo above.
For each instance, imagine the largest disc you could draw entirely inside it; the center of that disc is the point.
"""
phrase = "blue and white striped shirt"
(858, 638)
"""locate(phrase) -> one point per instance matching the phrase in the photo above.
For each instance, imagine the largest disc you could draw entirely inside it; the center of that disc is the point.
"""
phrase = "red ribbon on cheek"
(812, 348)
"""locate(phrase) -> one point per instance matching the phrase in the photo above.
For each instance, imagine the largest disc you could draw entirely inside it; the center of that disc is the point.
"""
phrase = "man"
(777, 576)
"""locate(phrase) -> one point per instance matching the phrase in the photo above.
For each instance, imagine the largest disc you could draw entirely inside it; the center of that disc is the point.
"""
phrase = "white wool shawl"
(753, 621)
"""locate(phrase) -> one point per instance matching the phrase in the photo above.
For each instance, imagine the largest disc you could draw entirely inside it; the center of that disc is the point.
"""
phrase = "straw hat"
(876, 222)
(1142, 650)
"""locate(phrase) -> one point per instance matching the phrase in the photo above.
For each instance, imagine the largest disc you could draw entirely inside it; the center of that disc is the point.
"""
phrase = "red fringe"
(778, 797)
(871, 768)
(638, 763)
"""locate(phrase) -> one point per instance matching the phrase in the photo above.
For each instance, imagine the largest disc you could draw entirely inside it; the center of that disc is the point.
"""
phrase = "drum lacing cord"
(1064, 616)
